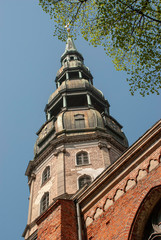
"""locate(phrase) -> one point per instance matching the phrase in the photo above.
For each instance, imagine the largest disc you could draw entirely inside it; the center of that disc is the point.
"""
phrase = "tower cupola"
(72, 65)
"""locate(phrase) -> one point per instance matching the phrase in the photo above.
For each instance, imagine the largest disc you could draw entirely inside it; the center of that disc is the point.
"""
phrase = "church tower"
(78, 140)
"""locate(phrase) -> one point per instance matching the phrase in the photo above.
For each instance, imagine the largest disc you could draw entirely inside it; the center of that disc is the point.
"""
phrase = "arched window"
(83, 180)
(71, 58)
(82, 158)
(147, 222)
(152, 229)
(46, 174)
(44, 202)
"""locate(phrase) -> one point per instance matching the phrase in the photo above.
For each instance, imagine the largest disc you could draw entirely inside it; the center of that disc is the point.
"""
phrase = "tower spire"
(72, 64)
(70, 46)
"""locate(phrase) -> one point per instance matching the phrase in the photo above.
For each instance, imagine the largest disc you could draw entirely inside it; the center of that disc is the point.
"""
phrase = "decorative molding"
(98, 212)
(153, 164)
(88, 221)
(31, 178)
(108, 203)
(130, 183)
(141, 174)
(58, 151)
(118, 194)
(102, 145)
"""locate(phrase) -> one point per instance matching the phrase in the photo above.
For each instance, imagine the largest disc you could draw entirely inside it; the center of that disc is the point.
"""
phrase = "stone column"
(89, 100)
(67, 75)
(105, 153)
(31, 185)
(64, 101)
(61, 185)
(80, 74)
(48, 115)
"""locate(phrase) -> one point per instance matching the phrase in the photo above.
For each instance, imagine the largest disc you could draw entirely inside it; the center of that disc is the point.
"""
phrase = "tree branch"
(140, 12)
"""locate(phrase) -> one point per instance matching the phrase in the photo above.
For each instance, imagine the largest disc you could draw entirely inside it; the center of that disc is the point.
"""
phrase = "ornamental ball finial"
(68, 28)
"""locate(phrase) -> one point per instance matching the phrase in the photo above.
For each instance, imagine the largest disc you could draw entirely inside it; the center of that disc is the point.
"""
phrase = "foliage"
(129, 31)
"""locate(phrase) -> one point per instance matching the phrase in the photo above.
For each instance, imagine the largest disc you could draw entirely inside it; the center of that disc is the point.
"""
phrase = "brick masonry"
(58, 222)
(113, 215)
(64, 175)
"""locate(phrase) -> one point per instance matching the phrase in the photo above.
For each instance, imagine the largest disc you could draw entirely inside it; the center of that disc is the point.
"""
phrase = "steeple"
(78, 140)
(70, 46)
(72, 65)
(70, 50)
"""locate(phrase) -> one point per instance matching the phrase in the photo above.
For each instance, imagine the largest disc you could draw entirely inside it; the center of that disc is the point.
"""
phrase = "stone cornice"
(51, 147)
(113, 174)
(32, 177)
(82, 90)
(28, 227)
(36, 161)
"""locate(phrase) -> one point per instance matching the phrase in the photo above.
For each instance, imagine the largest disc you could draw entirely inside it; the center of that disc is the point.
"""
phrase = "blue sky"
(29, 60)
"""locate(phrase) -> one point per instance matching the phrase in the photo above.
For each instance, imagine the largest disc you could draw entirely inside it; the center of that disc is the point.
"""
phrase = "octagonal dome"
(79, 119)
(76, 84)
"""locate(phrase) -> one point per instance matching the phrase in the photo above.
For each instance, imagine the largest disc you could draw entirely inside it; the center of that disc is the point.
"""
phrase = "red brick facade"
(116, 222)
(58, 222)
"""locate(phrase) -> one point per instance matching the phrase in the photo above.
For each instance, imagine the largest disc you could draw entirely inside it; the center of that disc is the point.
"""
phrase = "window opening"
(46, 174)
(84, 180)
(73, 75)
(82, 158)
(44, 202)
(77, 101)
(71, 58)
(57, 108)
(153, 226)
(79, 121)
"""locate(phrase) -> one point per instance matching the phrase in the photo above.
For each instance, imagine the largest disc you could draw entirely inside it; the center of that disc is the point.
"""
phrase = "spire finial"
(68, 28)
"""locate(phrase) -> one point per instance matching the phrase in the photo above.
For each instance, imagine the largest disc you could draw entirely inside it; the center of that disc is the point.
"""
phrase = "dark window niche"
(77, 101)
(85, 179)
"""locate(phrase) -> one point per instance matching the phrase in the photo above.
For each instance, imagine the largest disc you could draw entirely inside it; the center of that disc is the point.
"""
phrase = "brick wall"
(73, 172)
(58, 222)
(98, 160)
(113, 215)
